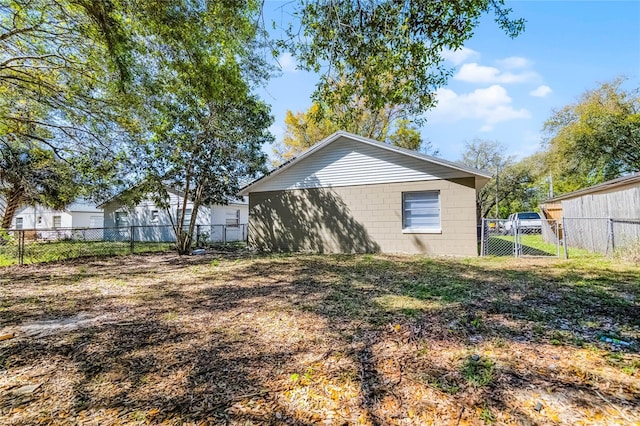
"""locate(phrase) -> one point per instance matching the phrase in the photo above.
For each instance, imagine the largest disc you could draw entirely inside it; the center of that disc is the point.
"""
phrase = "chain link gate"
(503, 237)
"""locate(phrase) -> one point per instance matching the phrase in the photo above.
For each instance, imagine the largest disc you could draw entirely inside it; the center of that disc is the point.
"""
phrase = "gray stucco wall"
(363, 218)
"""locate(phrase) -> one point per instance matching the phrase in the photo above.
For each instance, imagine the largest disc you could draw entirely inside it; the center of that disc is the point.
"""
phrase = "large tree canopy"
(205, 127)
(596, 138)
(62, 70)
(386, 52)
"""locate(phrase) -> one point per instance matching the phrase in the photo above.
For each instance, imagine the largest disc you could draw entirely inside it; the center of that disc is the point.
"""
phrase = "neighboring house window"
(57, 221)
(155, 215)
(19, 223)
(421, 211)
(233, 218)
(122, 219)
(95, 222)
(187, 216)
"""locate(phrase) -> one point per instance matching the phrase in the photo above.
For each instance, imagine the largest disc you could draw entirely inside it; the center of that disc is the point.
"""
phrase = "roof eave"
(475, 173)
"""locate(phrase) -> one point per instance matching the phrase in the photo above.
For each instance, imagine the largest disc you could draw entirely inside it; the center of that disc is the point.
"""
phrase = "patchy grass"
(52, 251)
(231, 338)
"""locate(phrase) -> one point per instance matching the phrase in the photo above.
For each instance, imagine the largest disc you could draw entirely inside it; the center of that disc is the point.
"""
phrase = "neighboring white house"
(153, 223)
(80, 214)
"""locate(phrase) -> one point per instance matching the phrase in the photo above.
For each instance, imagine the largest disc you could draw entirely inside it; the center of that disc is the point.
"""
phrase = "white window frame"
(232, 218)
(155, 216)
(19, 223)
(118, 217)
(59, 220)
(93, 220)
(422, 230)
(187, 216)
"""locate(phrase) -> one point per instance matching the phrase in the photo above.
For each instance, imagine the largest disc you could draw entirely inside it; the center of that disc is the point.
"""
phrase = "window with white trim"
(57, 221)
(95, 222)
(122, 219)
(421, 212)
(155, 216)
(233, 218)
(187, 216)
(19, 223)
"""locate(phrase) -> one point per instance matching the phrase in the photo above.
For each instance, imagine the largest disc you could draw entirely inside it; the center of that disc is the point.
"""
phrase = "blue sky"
(504, 89)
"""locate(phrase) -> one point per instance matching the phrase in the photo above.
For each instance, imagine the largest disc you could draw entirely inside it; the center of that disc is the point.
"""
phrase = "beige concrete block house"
(350, 194)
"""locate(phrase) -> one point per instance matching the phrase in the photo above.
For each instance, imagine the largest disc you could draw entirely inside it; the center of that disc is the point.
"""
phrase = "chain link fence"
(23, 246)
(573, 237)
(606, 236)
(533, 238)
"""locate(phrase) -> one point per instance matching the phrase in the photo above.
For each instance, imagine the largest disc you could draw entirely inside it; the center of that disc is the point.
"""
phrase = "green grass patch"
(60, 250)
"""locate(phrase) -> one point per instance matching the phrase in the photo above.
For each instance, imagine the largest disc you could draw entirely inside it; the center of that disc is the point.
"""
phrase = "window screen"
(233, 218)
(187, 216)
(122, 219)
(421, 210)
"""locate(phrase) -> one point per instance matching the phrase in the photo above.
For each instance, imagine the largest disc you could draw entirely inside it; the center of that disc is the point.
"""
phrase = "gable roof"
(605, 186)
(370, 142)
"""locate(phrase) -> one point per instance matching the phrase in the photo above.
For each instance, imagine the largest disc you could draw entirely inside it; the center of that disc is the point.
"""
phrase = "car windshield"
(528, 215)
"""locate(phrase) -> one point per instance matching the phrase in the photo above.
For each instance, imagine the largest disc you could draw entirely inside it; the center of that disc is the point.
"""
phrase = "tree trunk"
(14, 202)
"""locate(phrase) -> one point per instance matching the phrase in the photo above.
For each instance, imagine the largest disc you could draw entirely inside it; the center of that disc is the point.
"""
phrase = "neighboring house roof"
(230, 201)
(81, 205)
(484, 175)
(605, 186)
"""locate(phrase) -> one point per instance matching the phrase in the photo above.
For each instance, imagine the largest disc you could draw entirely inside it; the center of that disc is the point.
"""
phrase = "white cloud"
(287, 62)
(514, 62)
(459, 56)
(491, 105)
(541, 91)
(474, 73)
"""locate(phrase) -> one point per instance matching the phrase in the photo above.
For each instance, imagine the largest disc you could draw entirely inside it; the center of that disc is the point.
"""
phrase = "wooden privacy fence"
(597, 235)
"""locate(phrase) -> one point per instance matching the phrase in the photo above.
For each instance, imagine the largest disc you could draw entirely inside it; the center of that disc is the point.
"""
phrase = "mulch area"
(233, 338)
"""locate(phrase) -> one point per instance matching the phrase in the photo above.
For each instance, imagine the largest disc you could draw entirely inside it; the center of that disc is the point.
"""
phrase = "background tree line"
(593, 140)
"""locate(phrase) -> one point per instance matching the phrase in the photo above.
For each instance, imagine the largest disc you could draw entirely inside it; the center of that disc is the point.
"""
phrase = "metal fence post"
(611, 235)
(21, 248)
(132, 238)
(564, 239)
(557, 232)
(482, 248)
(197, 235)
(224, 234)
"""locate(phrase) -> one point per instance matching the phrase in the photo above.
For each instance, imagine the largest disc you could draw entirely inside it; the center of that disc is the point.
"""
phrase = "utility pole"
(497, 190)
(550, 186)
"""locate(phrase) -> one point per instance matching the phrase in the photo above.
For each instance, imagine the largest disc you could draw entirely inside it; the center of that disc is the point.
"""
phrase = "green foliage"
(386, 53)
(408, 136)
(305, 129)
(478, 372)
(206, 128)
(596, 138)
(63, 67)
(30, 176)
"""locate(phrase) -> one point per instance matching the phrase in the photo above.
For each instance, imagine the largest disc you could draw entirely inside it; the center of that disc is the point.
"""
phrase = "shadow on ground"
(300, 339)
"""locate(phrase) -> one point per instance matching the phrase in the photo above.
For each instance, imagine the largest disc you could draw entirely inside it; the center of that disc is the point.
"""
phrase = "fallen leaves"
(308, 340)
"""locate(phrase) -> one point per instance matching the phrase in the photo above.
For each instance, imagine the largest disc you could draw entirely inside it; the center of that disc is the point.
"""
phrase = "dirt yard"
(367, 339)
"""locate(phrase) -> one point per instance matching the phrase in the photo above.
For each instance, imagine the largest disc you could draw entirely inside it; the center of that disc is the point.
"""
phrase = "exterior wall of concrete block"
(363, 218)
